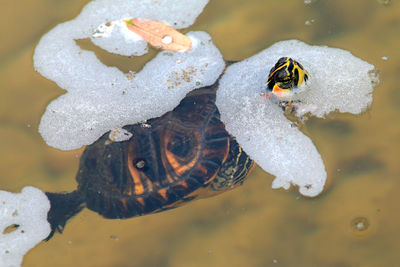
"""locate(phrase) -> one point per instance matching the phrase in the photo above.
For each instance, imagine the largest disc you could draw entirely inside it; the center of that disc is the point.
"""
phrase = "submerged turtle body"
(183, 155)
(166, 162)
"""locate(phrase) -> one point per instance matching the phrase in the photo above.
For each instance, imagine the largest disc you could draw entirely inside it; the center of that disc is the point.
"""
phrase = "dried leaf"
(160, 35)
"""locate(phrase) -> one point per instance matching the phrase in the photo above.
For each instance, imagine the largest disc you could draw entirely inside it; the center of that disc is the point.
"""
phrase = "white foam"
(265, 134)
(338, 81)
(27, 209)
(115, 37)
(101, 97)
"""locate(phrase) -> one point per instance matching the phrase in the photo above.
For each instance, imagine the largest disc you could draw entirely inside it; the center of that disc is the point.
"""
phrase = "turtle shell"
(165, 163)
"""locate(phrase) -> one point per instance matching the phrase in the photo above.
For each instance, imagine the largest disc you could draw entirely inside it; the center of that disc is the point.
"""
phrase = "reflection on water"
(252, 225)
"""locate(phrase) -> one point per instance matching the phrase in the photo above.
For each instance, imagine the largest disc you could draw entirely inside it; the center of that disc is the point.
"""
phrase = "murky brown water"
(355, 222)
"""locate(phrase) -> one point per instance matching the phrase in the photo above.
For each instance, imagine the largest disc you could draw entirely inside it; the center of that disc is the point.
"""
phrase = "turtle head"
(286, 77)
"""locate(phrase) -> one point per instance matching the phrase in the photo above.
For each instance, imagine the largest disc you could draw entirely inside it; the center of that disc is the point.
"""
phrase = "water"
(252, 225)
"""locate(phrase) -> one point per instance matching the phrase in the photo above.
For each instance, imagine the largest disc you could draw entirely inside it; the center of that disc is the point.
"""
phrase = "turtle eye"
(286, 75)
(140, 164)
(286, 81)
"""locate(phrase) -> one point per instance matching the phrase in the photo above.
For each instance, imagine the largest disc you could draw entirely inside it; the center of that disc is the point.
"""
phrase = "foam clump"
(26, 214)
(265, 134)
(101, 97)
(338, 81)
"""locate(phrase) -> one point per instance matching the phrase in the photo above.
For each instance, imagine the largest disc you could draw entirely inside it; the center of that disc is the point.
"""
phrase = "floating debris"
(160, 35)
(119, 134)
(131, 75)
(145, 125)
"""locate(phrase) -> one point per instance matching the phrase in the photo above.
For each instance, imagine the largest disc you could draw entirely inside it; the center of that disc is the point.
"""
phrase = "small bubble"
(360, 224)
(114, 237)
(307, 2)
(167, 39)
(384, 58)
(69, 242)
(274, 261)
(384, 2)
(309, 22)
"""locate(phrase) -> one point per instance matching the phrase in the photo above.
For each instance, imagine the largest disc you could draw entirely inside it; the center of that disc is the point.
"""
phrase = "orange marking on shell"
(204, 170)
(168, 176)
(149, 185)
(163, 193)
(173, 159)
(160, 35)
(183, 183)
(123, 201)
(179, 168)
(140, 200)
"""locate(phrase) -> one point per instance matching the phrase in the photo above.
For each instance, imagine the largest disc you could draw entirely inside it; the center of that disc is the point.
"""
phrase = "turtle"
(286, 79)
(183, 155)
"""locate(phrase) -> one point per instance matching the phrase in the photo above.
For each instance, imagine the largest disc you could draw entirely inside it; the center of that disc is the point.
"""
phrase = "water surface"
(252, 225)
